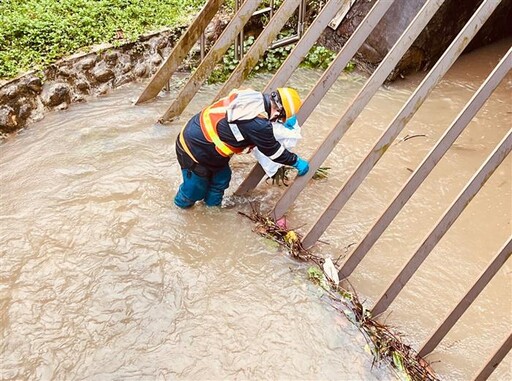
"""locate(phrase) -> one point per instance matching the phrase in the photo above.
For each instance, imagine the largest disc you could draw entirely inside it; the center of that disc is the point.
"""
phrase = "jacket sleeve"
(259, 132)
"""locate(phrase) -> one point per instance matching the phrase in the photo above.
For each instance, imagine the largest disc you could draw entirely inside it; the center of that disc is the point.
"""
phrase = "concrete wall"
(431, 43)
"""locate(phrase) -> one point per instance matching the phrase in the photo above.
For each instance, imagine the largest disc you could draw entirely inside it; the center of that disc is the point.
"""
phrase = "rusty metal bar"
(482, 281)
(444, 224)
(329, 77)
(406, 113)
(416, 179)
(265, 38)
(202, 43)
(495, 359)
(357, 106)
(238, 38)
(215, 53)
(348, 51)
(180, 50)
(302, 48)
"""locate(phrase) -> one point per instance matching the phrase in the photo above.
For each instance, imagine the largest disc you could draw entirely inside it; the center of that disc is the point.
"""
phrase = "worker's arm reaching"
(260, 134)
(287, 134)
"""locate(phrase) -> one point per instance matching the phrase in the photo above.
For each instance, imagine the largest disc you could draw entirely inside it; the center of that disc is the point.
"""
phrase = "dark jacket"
(255, 132)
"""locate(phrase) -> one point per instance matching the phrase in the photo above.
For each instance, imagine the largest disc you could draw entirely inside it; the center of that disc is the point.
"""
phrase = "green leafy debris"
(321, 173)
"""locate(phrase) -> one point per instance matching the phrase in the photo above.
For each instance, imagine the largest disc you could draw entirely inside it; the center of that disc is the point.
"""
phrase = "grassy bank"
(34, 33)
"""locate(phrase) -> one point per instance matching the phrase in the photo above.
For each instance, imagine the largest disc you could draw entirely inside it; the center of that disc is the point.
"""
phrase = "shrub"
(38, 32)
(318, 57)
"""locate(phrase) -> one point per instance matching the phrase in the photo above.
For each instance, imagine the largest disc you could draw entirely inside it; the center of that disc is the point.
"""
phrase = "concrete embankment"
(430, 44)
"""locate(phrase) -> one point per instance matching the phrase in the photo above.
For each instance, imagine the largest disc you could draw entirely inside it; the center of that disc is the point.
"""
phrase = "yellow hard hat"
(290, 100)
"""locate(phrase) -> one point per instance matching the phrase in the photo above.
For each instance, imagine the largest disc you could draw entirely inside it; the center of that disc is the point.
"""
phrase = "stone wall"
(28, 97)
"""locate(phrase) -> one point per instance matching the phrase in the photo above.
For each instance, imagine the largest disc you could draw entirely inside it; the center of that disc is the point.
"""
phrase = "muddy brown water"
(102, 278)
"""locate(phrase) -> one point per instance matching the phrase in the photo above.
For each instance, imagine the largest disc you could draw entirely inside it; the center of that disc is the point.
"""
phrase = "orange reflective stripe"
(208, 125)
(209, 119)
(209, 122)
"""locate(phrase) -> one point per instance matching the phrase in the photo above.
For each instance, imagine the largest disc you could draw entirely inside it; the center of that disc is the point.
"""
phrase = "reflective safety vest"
(210, 118)
(238, 105)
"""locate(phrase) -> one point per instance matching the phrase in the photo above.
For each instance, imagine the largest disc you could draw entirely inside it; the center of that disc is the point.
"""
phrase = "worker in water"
(240, 121)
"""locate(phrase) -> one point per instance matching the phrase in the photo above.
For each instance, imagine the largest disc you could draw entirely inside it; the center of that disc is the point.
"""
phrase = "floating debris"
(384, 345)
(321, 173)
(282, 223)
(266, 227)
(281, 176)
(331, 271)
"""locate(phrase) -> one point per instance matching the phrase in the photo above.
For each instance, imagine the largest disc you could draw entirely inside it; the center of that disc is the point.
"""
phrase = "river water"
(102, 278)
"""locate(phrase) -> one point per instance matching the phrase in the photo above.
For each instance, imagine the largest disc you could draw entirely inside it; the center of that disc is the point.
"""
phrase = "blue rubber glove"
(302, 166)
(290, 122)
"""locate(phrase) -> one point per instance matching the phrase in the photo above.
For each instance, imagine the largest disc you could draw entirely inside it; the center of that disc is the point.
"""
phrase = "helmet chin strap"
(277, 117)
(276, 104)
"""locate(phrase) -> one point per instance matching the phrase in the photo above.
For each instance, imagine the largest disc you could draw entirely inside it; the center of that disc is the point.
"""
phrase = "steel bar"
(213, 56)
(335, 68)
(302, 48)
(357, 106)
(482, 281)
(406, 113)
(495, 360)
(202, 42)
(348, 51)
(238, 37)
(180, 50)
(302, 18)
(284, 41)
(431, 160)
(240, 41)
(444, 223)
(261, 11)
(259, 47)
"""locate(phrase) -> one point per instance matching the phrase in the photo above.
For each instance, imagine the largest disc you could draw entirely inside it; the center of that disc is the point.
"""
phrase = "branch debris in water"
(279, 232)
(385, 346)
(321, 173)
(281, 176)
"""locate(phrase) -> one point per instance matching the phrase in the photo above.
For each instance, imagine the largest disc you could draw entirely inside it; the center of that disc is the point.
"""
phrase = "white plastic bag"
(288, 137)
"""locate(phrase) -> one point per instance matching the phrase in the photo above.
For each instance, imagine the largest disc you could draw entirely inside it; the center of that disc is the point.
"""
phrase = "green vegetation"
(38, 32)
(318, 57)
(35, 33)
